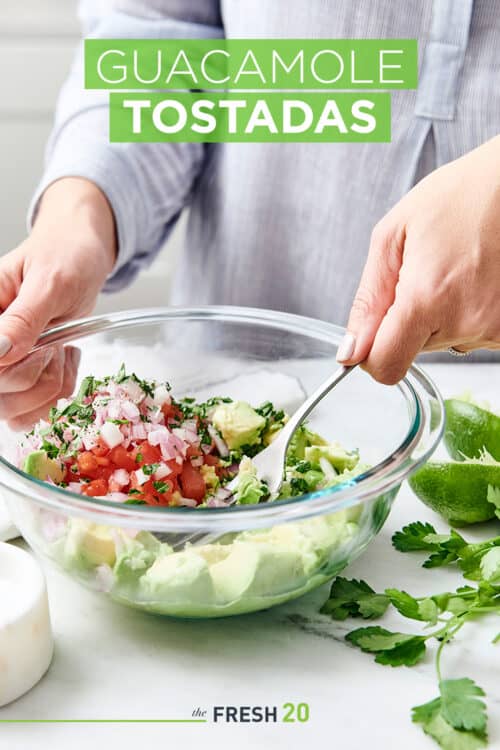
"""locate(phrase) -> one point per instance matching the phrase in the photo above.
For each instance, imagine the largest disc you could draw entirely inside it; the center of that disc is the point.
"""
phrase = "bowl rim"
(416, 388)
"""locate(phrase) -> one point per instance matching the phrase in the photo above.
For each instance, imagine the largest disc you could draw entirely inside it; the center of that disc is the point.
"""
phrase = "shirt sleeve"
(147, 185)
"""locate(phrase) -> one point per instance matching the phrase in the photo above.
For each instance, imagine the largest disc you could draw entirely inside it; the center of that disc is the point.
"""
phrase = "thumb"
(376, 291)
(24, 320)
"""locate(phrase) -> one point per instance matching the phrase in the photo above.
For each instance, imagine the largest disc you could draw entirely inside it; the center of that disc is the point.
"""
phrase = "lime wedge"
(458, 491)
(470, 431)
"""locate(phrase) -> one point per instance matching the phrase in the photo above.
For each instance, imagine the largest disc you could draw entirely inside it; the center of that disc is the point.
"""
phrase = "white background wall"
(37, 39)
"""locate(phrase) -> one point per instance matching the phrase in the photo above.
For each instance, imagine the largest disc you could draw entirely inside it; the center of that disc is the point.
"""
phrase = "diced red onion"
(133, 390)
(219, 442)
(161, 395)
(130, 411)
(158, 436)
(162, 471)
(138, 431)
(89, 437)
(141, 477)
(179, 432)
(111, 434)
(223, 493)
(197, 461)
(115, 497)
(188, 501)
(120, 477)
(214, 502)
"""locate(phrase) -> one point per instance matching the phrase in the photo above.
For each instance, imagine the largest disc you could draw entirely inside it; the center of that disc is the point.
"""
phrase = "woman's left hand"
(432, 277)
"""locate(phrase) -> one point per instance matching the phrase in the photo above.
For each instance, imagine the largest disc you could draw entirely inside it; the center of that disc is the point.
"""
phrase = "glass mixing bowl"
(223, 561)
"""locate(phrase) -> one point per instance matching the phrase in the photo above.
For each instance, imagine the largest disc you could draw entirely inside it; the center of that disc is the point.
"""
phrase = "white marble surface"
(114, 663)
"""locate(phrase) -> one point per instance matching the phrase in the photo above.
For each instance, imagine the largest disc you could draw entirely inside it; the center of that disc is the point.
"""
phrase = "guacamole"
(130, 441)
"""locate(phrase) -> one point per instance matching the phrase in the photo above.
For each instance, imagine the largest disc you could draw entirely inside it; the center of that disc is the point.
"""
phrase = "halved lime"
(458, 491)
(470, 430)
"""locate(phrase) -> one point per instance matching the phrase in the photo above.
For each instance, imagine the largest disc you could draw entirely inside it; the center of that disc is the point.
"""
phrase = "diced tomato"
(149, 494)
(70, 476)
(171, 412)
(192, 482)
(95, 488)
(193, 451)
(174, 467)
(102, 461)
(122, 458)
(101, 449)
(149, 454)
(103, 472)
(210, 460)
(87, 464)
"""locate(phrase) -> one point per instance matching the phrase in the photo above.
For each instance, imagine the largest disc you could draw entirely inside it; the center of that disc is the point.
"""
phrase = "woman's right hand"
(53, 276)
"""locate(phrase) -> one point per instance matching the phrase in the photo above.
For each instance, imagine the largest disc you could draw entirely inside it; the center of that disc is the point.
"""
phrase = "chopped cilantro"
(298, 486)
(50, 449)
(161, 486)
(149, 469)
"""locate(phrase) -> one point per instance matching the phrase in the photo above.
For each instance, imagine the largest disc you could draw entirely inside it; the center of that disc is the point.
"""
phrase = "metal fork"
(269, 463)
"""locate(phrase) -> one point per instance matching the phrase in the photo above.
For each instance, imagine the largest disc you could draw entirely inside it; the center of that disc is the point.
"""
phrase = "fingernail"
(5, 345)
(346, 348)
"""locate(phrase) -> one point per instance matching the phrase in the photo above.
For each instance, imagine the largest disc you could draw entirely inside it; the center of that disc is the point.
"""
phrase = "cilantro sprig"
(457, 718)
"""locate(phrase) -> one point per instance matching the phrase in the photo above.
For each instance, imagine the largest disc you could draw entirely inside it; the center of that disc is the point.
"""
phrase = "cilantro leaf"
(394, 649)
(424, 610)
(413, 537)
(471, 557)
(86, 388)
(461, 706)
(121, 375)
(447, 549)
(355, 599)
(420, 536)
(430, 716)
(490, 565)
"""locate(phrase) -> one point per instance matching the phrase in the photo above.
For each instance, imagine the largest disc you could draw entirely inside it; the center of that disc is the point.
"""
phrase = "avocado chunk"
(339, 458)
(179, 578)
(40, 466)
(250, 489)
(87, 545)
(238, 423)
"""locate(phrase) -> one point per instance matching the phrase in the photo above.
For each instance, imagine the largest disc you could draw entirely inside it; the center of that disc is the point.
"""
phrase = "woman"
(283, 226)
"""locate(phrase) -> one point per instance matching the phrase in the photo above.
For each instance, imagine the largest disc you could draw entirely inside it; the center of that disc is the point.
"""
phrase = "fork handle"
(306, 408)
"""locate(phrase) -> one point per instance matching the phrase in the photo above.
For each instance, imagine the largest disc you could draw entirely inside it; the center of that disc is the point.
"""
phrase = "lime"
(470, 430)
(457, 490)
